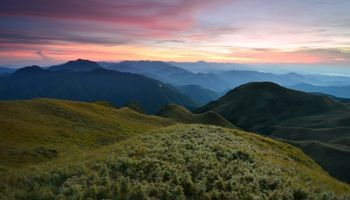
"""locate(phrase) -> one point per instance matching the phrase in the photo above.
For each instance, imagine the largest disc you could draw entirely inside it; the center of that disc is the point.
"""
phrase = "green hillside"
(258, 106)
(38, 130)
(180, 162)
(293, 116)
(182, 115)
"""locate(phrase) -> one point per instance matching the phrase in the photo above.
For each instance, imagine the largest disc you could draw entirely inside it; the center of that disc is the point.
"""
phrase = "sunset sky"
(241, 31)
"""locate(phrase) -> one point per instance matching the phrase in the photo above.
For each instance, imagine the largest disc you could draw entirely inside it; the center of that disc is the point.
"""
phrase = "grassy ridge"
(182, 115)
(181, 162)
(43, 129)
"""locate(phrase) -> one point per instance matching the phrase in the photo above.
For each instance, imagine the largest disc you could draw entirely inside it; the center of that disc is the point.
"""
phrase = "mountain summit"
(258, 105)
(79, 65)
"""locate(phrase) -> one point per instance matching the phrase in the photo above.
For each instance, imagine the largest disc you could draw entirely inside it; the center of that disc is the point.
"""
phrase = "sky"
(240, 31)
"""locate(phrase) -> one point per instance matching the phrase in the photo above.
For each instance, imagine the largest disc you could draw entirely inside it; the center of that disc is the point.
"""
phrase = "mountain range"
(99, 84)
(315, 122)
(341, 91)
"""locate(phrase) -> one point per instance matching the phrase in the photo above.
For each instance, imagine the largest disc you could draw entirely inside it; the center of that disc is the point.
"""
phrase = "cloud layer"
(259, 31)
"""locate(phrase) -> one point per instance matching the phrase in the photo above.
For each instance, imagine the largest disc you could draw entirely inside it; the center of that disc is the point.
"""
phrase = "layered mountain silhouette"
(220, 80)
(98, 84)
(201, 95)
(318, 124)
(338, 91)
(171, 74)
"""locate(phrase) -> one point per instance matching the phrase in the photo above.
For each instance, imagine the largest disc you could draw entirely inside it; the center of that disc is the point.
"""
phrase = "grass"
(56, 149)
(39, 130)
(180, 162)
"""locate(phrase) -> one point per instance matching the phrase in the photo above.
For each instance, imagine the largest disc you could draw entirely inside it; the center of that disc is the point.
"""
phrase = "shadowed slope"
(182, 115)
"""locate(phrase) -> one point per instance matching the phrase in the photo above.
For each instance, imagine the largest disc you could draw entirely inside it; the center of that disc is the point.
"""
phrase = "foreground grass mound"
(182, 162)
(182, 115)
(39, 130)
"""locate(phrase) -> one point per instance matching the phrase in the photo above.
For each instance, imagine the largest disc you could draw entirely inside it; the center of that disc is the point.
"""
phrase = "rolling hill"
(312, 122)
(182, 115)
(98, 84)
(39, 130)
(74, 150)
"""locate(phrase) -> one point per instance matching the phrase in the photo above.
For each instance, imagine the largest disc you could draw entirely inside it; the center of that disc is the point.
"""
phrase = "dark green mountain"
(99, 84)
(79, 65)
(258, 106)
(318, 124)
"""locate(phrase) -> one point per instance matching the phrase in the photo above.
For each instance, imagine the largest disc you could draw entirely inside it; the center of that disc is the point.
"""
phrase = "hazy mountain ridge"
(99, 84)
(338, 91)
(201, 95)
(220, 79)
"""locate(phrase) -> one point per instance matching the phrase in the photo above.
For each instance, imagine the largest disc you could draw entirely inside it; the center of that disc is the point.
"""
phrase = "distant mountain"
(170, 74)
(218, 80)
(5, 70)
(201, 95)
(182, 115)
(79, 65)
(338, 91)
(318, 124)
(239, 77)
(100, 84)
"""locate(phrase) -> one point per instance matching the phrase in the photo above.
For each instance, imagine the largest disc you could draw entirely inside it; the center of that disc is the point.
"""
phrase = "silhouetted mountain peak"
(79, 65)
(29, 70)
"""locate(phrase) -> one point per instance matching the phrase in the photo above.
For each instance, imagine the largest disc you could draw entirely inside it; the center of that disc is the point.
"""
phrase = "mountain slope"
(79, 65)
(201, 95)
(294, 116)
(39, 130)
(258, 106)
(181, 162)
(182, 115)
(99, 84)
